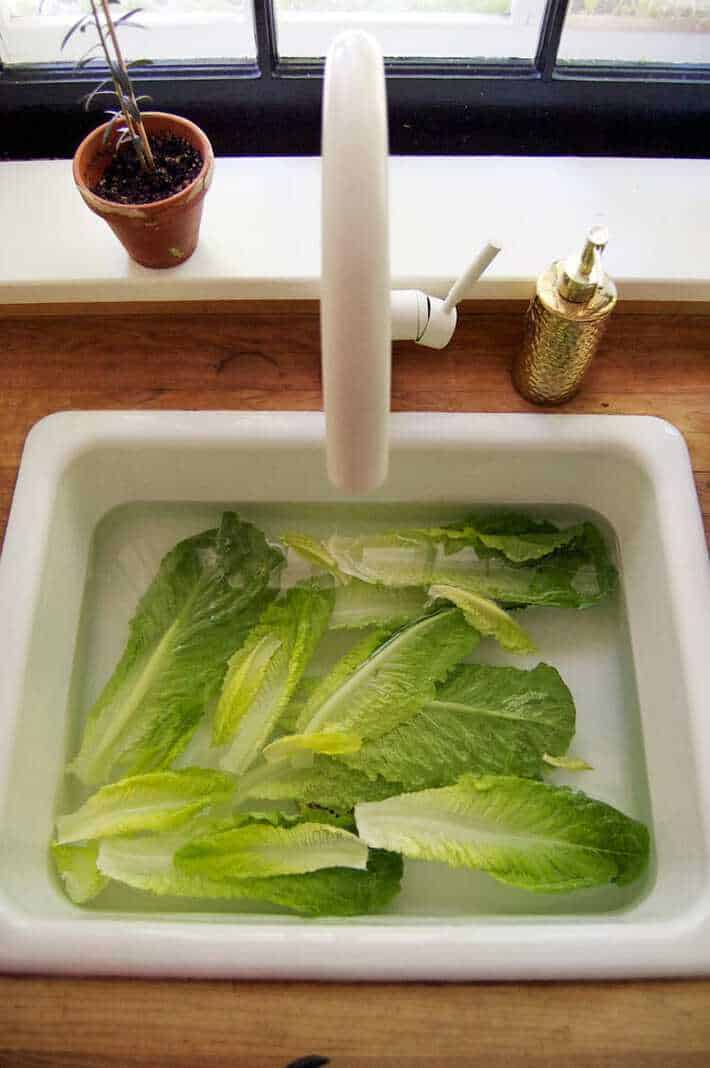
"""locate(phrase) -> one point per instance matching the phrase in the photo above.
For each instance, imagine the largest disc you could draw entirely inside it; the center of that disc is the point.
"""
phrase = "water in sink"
(591, 649)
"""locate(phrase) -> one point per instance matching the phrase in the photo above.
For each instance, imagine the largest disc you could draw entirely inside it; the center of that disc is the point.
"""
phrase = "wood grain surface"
(262, 356)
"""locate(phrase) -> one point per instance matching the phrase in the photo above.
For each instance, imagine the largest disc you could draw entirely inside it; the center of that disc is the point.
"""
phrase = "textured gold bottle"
(565, 322)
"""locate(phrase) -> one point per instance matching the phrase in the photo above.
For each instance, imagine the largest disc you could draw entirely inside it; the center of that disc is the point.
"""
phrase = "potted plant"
(145, 173)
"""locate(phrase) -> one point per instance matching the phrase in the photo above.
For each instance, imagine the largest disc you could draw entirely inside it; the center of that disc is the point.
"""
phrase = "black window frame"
(272, 106)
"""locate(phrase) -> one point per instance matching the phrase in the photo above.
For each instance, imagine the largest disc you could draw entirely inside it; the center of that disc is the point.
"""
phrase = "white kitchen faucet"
(360, 315)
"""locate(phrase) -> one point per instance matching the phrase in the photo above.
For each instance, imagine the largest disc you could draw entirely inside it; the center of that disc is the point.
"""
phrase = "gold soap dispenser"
(565, 321)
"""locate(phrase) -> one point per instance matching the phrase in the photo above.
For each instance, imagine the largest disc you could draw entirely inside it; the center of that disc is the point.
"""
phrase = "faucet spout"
(359, 314)
(356, 333)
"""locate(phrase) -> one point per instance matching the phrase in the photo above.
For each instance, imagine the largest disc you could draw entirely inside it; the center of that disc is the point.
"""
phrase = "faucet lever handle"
(441, 320)
(471, 275)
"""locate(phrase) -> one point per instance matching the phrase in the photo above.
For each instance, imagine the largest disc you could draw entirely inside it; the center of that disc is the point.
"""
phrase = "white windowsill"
(260, 232)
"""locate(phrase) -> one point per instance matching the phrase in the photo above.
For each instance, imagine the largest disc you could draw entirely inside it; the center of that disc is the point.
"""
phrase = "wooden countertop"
(266, 357)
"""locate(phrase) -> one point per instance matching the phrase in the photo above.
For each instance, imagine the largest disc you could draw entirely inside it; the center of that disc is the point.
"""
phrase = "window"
(441, 29)
(176, 29)
(529, 77)
(637, 31)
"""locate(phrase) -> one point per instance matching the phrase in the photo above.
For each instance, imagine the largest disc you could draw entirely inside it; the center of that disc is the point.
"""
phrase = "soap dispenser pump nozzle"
(582, 275)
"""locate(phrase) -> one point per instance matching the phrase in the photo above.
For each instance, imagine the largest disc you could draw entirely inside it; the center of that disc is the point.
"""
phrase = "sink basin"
(102, 495)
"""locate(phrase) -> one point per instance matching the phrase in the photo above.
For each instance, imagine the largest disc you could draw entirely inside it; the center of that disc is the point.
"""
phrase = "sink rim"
(550, 947)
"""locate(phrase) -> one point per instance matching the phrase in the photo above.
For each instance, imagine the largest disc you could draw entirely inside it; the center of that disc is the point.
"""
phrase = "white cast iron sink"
(99, 488)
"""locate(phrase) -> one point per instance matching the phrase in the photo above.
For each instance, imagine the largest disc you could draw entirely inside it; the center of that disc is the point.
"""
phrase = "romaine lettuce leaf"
(156, 801)
(394, 681)
(361, 604)
(484, 719)
(207, 595)
(294, 709)
(259, 684)
(334, 891)
(398, 559)
(199, 751)
(568, 763)
(567, 580)
(147, 863)
(521, 548)
(332, 743)
(487, 617)
(76, 866)
(314, 551)
(245, 677)
(343, 670)
(259, 850)
(576, 575)
(324, 781)
(504, 522)
(522, 832)
(518, 537)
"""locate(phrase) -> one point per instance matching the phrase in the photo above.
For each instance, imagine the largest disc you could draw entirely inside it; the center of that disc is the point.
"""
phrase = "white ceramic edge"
(368, 950)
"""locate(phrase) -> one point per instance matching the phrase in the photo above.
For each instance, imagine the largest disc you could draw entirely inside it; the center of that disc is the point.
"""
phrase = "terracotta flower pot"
(161, 234)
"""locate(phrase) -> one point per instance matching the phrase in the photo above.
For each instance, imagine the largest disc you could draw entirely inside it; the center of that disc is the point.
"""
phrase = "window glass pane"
(32, 30)
(637, 31)
(470, 29)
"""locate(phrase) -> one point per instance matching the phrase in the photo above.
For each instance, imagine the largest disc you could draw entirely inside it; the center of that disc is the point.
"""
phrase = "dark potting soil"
(125, 182)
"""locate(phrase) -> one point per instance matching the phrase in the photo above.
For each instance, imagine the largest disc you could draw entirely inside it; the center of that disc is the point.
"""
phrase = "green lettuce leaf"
(361, 604)
(504, 522)
(487, 617)
(332, 743)
(76, 866)
(258, 685)
(394, 681)
(158, 800)
(397, 559)
(568, 763)
(199, 751)
(324, 781)
(316, 554)
(147, 863)
(335, 891)
(522, 548)
(207, 595)
(484, 719)
(328, 685)
(568, 580)
(294, 709)
(516, 536)
(259, 850)
(522, 832)
(576, 575)
(245, 677)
